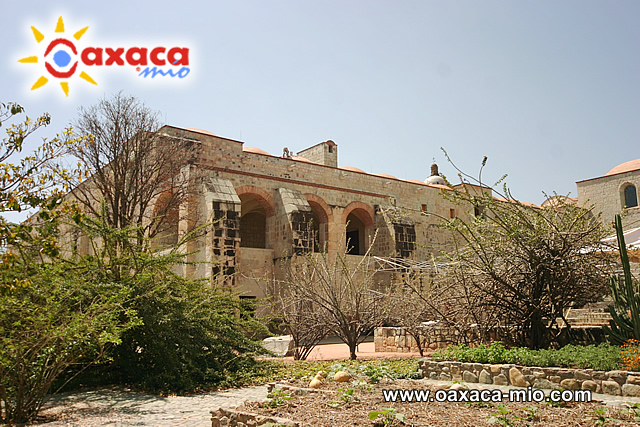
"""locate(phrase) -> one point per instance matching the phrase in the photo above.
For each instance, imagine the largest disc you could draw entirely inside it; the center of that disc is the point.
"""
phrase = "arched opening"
(319, 227)
(167, 213)
(253, 223)
(356, 244)
(630, 196)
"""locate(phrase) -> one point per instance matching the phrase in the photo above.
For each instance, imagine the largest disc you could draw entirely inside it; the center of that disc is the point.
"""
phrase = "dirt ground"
(353, 404)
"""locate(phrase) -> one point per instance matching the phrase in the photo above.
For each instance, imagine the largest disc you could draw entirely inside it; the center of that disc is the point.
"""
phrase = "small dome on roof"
(384, 175)
(206, 132)
(435, 177)
(629, 166)
(301, 159)
(414, 181)
(255, 150)
(352, 169)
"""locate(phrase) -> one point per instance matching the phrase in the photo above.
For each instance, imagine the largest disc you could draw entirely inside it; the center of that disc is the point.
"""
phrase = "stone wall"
(617, 383)
(394, 339)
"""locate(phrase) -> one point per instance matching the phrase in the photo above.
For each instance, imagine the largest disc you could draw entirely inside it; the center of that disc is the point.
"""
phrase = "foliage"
(32, 180)
(501, 417)
(599, 416)
(388, 416)
(602, 357)
(346, 395)
(631, 355)
(625, 312)
(191, 334)
(524, 264)
(277, 397)
(274, 370)
(52, 316)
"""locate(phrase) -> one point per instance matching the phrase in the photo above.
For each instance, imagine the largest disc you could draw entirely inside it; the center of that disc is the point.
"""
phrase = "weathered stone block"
(570, 384)
(582, 375)
(611, 387)
(543, 383)
(618, 376)
(516, 378)
(631, 390)
(500, 379)
(445, 377)
(485, 377)
(590, 385)
(469, 377)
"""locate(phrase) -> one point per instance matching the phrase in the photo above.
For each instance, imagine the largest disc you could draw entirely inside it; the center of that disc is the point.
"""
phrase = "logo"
(63, 59)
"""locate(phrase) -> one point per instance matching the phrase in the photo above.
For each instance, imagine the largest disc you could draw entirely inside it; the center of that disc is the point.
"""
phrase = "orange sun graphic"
(64, 55)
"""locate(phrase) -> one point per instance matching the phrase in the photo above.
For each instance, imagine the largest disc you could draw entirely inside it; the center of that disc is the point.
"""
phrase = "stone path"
(119, 407)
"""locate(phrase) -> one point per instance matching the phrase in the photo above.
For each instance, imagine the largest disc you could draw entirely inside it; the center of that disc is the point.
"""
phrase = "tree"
(190, 333)
(344, 296)
(129, 165)
(51, 317)
(525, 264)
(296, 315)
(60, 317)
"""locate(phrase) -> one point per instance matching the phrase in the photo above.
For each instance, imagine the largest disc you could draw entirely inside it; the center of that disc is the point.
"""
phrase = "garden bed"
(354, 403)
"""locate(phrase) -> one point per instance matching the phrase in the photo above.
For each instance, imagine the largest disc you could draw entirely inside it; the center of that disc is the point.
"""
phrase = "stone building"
(614, 192)
(265, 208)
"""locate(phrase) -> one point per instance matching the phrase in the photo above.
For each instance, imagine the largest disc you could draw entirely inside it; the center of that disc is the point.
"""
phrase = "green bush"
(603, 357)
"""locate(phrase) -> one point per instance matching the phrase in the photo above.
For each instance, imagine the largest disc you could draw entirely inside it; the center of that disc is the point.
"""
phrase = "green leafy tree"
(52, 316)
(190, 334)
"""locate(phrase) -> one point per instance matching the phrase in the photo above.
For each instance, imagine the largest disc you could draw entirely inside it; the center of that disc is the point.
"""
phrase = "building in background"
(616, 192)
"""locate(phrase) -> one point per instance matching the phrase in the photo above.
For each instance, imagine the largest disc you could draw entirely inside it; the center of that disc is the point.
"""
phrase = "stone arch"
(357, 218)
(362, 210)
(322, 217)
(629, 195)
(265, 199)
(256, 205)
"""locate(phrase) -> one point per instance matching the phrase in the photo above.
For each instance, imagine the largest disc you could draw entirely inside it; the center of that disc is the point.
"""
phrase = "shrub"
(602, 357)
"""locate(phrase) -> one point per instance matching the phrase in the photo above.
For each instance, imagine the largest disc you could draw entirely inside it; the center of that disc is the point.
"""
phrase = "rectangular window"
(423, 208)
(452, 213)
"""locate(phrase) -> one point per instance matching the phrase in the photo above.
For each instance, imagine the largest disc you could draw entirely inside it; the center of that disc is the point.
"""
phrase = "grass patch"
(603, 357)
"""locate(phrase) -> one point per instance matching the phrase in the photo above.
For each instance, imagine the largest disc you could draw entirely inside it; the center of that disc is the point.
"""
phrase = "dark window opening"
(355, 235)
(253, 224)
(353, 242)
(630, 196)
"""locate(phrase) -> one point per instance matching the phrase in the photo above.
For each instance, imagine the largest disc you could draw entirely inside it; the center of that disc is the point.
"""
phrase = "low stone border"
(229, 417)
(616, 383)
(232, 418)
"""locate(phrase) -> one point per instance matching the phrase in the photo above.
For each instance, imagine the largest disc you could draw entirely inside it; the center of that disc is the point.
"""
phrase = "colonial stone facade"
(266, 208)
(614, 192)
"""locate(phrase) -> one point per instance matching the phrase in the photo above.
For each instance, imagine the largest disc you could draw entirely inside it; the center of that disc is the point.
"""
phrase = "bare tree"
(524, 265)
(434, 308)
(130, 167)
(298, 318)
(342, 292)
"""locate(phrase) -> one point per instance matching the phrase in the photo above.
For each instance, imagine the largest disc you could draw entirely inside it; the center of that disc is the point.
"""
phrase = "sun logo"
(64, 56)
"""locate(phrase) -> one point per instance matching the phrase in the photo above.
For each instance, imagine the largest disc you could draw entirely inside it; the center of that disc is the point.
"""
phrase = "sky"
(549, 91)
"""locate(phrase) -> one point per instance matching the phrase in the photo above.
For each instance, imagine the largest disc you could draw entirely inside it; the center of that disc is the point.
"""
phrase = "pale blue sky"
(548, 90)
